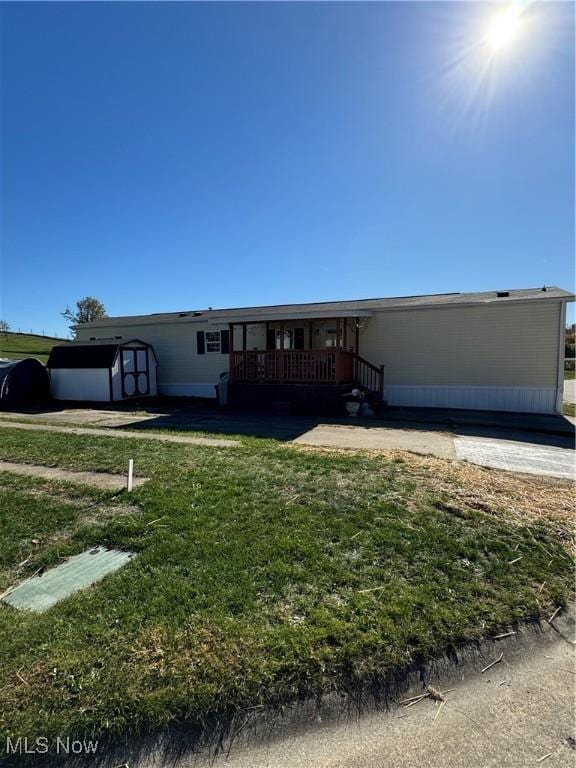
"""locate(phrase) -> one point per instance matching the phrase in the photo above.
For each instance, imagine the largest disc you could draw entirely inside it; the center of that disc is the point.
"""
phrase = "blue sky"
(177, 156)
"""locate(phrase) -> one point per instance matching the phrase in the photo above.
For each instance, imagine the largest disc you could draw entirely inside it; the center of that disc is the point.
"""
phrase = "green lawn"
(20, 345)
(569, 409)
(569, 374)
(265, 574)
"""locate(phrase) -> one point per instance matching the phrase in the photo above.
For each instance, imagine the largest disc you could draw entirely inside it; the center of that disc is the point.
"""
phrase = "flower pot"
(352, 408)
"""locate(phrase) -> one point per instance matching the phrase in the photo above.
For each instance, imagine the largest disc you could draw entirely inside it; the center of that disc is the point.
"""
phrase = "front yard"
(265, 573)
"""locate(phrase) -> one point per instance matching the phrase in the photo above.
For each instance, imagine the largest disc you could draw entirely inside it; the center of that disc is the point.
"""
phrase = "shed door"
(134, 371)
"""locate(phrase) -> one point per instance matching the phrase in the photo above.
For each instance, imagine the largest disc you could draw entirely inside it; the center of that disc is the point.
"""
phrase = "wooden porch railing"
(293, 366)
(305, 366)
(368, 376)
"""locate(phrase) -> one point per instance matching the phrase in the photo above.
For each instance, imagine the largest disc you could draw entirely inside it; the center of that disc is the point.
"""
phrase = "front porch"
(304, 360)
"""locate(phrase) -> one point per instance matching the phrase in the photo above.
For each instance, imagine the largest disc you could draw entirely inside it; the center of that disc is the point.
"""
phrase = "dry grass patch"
(521, 498)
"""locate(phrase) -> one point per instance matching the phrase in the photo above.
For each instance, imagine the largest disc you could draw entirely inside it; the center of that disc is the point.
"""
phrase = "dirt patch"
(103, 480)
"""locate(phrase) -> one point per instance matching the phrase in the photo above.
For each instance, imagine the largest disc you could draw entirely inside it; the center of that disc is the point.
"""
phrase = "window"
(293, 338)
(331, 337)
(213, 341)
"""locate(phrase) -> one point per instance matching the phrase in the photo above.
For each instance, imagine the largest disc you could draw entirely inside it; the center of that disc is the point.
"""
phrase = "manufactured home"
(496, 350)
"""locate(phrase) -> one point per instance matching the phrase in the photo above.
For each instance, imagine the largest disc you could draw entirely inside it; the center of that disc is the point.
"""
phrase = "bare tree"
(4, 326)
(87, 309)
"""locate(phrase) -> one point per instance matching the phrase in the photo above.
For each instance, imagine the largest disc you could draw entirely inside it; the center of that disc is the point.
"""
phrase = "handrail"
(369, 376)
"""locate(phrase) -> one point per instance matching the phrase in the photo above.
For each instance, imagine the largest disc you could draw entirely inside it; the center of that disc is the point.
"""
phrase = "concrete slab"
(81, 416)
(374, 438)
(44, 590)
(188, 439)
(570, 390)
(104, 480)
(516, 457)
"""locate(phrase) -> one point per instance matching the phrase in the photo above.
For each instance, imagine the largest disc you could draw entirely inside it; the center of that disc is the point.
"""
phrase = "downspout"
(561, 343)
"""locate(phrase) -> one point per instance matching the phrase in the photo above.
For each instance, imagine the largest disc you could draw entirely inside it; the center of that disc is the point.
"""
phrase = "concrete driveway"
(514, 456)
(439, 444)
(570, 390)
(509, 450)
(515, 442)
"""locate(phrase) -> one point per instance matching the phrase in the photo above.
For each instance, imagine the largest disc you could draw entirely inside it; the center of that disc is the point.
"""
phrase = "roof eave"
(275, 317)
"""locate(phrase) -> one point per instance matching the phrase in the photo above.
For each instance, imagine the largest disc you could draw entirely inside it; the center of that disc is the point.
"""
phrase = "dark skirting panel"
(294, 398)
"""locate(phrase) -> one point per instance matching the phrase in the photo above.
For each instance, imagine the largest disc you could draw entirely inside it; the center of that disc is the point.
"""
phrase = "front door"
(134, 371)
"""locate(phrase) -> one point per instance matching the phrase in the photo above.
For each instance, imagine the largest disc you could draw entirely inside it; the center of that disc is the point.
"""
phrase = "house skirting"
(207, 389)
(302, 398)
(518, 399)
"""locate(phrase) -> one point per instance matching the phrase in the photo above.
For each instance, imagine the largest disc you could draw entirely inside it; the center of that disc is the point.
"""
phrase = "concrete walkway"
(519, 713)
(570, 390)
(104, 480)
(187, 439)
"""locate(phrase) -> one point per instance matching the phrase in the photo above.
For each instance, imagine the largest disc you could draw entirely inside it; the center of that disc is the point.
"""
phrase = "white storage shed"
(103, 370)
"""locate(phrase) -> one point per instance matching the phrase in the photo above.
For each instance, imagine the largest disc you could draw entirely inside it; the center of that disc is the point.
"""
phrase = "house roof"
(327, 309)
(98, 353)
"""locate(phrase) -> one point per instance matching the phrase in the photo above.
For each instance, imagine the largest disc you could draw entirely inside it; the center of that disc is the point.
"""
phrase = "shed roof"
(96, 353)
(324, 309)
(83, 356)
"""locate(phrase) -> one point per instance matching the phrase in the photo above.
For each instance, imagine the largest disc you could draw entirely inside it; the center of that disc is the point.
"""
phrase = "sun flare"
(503, 28)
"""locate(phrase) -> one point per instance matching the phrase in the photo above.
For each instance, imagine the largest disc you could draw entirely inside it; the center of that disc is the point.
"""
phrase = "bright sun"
(503, 28)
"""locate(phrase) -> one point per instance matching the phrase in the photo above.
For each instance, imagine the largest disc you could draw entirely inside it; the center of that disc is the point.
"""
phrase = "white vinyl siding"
(175, 345)
(513, 345)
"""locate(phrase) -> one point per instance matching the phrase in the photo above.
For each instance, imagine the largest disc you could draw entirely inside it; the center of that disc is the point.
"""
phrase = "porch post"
(345, 337)
(337, 350)
(244, 334)
(281, 376)
(357, 334)
(310, 342)
(231, 351)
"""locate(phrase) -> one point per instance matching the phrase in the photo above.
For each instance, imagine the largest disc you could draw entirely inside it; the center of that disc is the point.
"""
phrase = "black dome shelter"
(23, 381)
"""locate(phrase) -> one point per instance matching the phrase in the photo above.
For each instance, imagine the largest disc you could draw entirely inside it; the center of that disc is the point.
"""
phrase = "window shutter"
(224, 342)
(298, 338)
(201, 347)
(271, 339)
